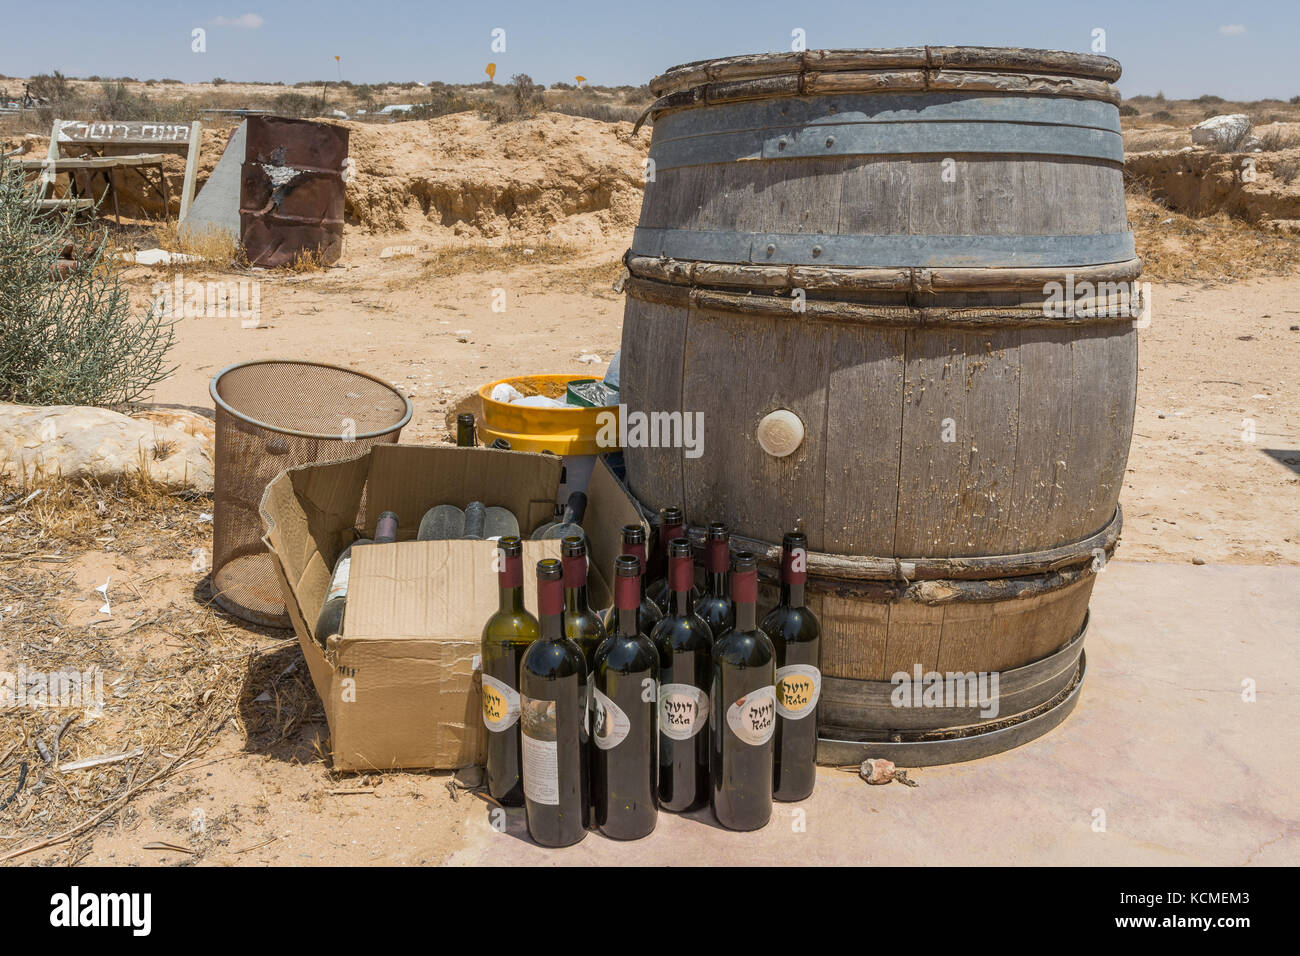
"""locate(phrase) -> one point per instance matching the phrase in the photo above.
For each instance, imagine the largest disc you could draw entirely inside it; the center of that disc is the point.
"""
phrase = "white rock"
(589, 358)
(81, 442)
(1226, 130)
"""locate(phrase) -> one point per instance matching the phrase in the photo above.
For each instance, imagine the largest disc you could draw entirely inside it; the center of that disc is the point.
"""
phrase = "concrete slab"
(1163, 762)
(216, 207)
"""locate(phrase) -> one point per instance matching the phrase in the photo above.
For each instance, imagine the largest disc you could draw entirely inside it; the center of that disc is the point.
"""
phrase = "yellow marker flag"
(580, 79)
(491, 71)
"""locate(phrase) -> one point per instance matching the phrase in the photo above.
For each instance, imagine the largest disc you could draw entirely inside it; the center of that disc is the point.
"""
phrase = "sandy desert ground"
(1218, 361)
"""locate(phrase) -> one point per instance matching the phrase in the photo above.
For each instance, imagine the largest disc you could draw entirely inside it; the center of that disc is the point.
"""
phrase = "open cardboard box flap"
(402, 689)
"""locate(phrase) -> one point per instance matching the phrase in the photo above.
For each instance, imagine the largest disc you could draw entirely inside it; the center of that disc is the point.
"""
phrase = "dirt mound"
(1262, 188)
(567, 178)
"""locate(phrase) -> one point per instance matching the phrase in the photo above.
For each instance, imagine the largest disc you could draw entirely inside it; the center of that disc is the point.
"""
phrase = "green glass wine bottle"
(672, 525)
(554, 722)
(715, 607)
(465, 434)
(742, 710)
(685, 646)
(582, 625)
(506, 637)
(796, 635)
(625, 698)
(647, 614)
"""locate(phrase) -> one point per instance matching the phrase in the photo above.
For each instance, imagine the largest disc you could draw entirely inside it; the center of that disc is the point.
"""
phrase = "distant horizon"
(287, 84)
(1240, 53)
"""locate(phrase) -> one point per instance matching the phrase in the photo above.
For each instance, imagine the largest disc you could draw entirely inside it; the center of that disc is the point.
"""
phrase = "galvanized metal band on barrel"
(849, 705)
(887, 124)
(961, 578)
(885, 251)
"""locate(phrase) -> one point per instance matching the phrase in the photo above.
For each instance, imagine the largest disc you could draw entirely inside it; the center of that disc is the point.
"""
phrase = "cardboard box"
(403, 688)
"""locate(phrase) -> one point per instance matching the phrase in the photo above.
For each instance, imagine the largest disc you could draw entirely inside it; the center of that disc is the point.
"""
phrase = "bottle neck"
(510, 581)
(512, 599)
(792, 594)
(716, 581)
(575, 584)
(627, 624)
(746, 616)
(550, 610)
(681, 571)
(575, 600)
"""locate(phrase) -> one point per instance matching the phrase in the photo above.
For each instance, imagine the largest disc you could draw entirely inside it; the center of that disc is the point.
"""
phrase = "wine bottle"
(685, 645)
(568, 522)
(625, 697)
(555, 722)
(742, 710)
(475, 517)
(329, 622)
(465, 430)
(715, 607)
(795, 633)
(506, 637)
(672, 525)
(582, 625)
(647, 614)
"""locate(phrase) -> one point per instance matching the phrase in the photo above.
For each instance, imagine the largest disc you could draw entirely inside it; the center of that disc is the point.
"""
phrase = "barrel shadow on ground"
(1290, 457)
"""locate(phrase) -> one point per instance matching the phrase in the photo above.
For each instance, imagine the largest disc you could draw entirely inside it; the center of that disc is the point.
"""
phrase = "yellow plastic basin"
(561, 431)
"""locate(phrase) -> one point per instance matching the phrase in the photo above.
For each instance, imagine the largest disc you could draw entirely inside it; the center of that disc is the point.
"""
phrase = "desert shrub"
(1163, 115)
(1208, 100)
(523, 99)
(1277, 137)
(1287, 170)
(1127, 110)
(294, 104)
(73, 340)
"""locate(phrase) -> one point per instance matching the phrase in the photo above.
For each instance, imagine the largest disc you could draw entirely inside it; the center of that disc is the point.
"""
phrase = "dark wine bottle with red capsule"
(582, 625)
(625, 699)
(647, 615)
(742, 710)
(554, 722)
(506, 637)
(715, 607)
(672, 525)
(796, 635)
(685, 646)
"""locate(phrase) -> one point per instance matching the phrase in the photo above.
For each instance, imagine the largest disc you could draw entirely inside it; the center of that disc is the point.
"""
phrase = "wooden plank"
(654, 342)
(93, 162)
(134, 133)
(853, 636)
(932, 471)
(191, 168)
(864, 433)
(739, 368)
(914, 635)
(1045, 437)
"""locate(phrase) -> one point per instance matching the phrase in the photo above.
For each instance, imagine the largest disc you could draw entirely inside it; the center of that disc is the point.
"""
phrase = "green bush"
(71, 340)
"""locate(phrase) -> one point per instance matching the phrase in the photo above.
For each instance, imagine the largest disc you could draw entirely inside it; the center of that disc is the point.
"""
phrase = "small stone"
(1198, 560)
(877, 770)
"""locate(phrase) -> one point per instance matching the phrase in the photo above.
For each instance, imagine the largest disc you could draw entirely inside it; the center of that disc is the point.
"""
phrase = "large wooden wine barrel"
(914, 268)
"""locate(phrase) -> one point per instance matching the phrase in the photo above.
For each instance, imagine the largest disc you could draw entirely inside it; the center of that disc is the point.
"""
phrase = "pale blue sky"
(1235, 50)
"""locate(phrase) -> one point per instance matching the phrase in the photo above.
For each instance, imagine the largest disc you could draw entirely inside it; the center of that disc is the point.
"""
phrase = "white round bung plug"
(780, 432)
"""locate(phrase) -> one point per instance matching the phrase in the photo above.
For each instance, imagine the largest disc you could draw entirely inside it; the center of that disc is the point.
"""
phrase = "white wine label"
(612, 725)
(753, 717)
(798, 686)
(683, 711)
(541, 752)
(500, 704)
(339, 583)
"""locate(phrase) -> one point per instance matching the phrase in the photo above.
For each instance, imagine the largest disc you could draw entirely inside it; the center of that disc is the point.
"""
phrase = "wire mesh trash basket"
(275, 414)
